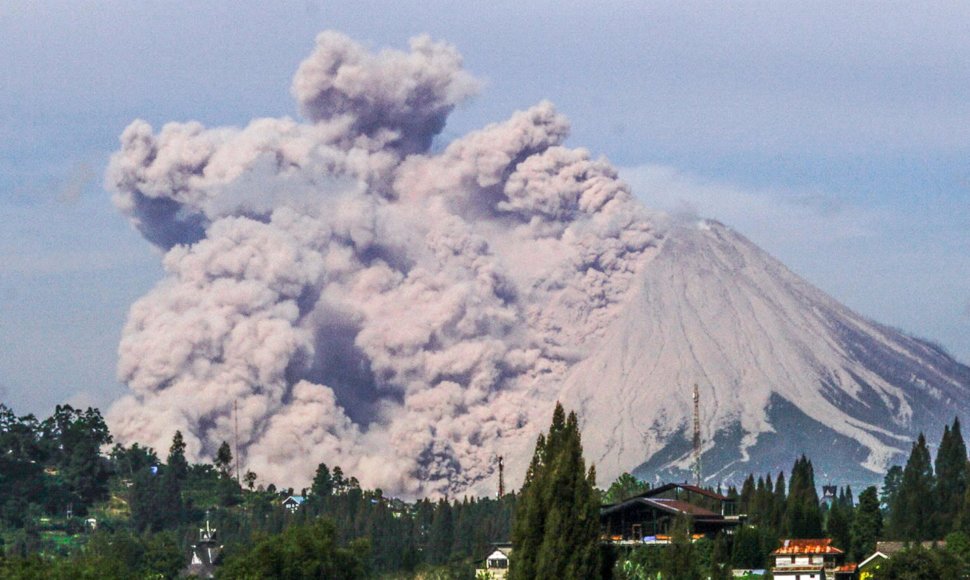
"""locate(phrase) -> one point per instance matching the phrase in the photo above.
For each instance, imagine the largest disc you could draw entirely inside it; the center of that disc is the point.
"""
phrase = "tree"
(176, 461)
(917, 563)
(679, 560)
(838, 524)
(625, 486)
(747, 552)
(890, 488)
(803, 518)
(250, 479)
(322, 482)
(911, 515)
(866, 525)
(72, 440)
(223, 460)
(301, 551)
(951, 477)
(720, 558)
(556, 527)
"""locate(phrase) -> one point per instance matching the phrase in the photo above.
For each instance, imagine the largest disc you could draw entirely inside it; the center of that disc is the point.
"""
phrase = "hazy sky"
(835, 137)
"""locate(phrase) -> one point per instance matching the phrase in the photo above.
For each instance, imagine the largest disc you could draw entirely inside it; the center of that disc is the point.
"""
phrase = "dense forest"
(75, 505)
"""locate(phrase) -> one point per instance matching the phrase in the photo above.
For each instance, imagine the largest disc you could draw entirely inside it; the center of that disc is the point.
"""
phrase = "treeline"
(145, 512)
(927, 500)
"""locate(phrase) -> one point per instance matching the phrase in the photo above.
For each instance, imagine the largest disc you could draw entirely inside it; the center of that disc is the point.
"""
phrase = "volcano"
(781, 368)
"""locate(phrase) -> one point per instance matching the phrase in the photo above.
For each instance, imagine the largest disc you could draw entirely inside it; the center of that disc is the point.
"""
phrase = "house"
(810, 560)
(649, 516)
(869, 567)
(204, 555)
(293, 502)
(496, 565)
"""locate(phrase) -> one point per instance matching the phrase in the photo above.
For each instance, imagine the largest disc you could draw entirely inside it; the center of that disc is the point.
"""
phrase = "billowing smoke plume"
(364, 302)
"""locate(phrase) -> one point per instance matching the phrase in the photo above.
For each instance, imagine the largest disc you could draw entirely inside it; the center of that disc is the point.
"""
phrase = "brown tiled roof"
(682, 506)
(796, 547)
(846, 568)
(684, 486)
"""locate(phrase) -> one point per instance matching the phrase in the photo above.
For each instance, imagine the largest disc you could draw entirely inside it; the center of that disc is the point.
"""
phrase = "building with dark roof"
(649, 516)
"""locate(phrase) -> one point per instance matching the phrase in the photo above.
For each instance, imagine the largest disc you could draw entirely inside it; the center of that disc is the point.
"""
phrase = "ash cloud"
(365, 302)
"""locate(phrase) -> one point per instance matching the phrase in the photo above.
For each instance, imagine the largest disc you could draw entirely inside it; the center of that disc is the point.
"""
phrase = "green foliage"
(556, 528)
(223, 460)
(301, 551)
(951, 477)
(322, 482)
(624, 487)
(911, 516)
(838, 524)
(890, 488)
(866, 525)
(802, 516)
(680, 562)
(177, 465)
(917, 563)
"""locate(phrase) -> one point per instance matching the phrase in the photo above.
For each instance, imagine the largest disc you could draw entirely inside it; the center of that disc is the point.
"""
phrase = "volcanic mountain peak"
(782, 369)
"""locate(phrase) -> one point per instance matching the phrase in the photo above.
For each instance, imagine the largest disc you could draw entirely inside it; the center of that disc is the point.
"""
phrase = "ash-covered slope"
(782, 369)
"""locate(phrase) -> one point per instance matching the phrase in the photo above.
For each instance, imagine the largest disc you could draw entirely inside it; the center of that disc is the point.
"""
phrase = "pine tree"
(890, 488)
(866, 525)
(745, 503)
(322, 485)
(838, 525)
(778, 509)
(951, 477)
(176, 461)
(803, 518)
(556, 527)
(911, 515)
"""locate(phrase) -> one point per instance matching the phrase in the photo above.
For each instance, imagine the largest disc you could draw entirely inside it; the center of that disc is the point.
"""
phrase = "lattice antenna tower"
(501, 477)
(697, 436)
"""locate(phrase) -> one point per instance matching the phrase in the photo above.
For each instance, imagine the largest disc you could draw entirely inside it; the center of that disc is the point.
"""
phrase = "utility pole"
(697, 436)
(501, 477)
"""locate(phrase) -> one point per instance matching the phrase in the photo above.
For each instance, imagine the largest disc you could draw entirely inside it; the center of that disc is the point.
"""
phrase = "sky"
(836, 137)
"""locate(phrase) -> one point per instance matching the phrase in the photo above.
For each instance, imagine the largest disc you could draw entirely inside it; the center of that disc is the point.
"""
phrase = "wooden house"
(649, 516)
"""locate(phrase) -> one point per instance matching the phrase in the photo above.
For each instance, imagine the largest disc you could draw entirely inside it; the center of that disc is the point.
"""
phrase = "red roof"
(684, 486)
(847, 568)
(682, 506)
(796, 547)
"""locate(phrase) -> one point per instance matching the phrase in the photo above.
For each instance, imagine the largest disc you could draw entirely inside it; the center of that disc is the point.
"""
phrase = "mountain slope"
(782, 368)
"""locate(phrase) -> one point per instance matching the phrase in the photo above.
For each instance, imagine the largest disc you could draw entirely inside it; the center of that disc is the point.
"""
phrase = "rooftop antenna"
(501, 477)
(235, 412)
(697, 437)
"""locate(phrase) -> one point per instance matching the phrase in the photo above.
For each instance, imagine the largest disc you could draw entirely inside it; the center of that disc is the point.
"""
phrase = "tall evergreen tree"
(951, 478)
(176, 461)
(803, 518)
(837, 525)
(890, 488)
(866, 525)
(778, 509)
(556, 528)
(911, 516)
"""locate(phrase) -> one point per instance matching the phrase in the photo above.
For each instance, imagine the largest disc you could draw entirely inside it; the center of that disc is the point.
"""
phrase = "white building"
(810, 560)
(496, 564)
